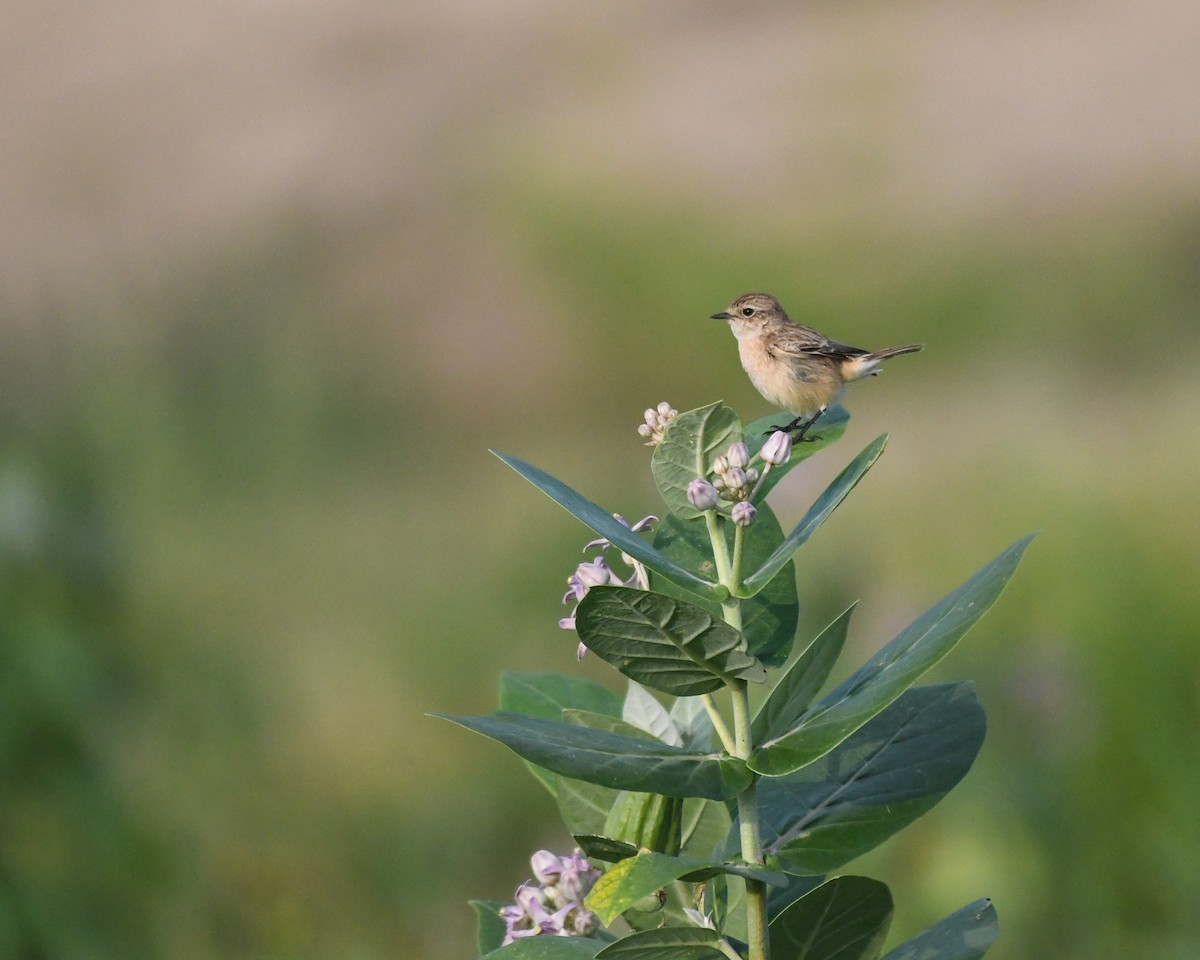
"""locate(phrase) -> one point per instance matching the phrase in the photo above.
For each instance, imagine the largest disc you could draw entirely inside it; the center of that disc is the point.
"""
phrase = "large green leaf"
(873, 784)
(890, 672)
(549, 948)
(769, 618)
(690, 444)
(664, 643)
(546, 695)
(666, 943)
(584, 806)
(964, 935)
(804, 679)
(611, 759)
(845, 918)
(603, 523)
(817, 514)
(828, 428)
(637, 876)
(492, 928)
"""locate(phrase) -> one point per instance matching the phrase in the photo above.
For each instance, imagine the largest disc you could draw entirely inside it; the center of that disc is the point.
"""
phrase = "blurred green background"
(273, 279)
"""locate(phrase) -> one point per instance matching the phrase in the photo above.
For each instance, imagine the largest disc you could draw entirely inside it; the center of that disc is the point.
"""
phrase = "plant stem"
(743, 743)
(718, 722)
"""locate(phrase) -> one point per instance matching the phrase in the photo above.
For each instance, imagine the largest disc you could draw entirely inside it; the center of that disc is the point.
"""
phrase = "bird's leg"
(802, 433)
(786, 429)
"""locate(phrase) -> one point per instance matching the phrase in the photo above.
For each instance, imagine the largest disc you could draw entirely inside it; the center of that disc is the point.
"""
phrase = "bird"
(794, 366)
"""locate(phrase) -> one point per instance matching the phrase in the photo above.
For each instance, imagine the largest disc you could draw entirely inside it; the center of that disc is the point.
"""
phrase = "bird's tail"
(867, 364)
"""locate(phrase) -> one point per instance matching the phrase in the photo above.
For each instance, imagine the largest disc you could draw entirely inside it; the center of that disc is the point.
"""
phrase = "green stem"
(716, 537)
(718, 722)
(743, 743)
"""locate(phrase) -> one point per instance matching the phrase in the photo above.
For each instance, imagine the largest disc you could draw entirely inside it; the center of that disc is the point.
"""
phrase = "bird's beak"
(723, 315)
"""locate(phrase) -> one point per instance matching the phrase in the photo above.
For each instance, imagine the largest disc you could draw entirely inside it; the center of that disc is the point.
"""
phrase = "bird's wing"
(797, 340)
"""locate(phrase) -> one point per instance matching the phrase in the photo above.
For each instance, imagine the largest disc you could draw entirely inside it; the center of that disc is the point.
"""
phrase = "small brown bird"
(794, 366)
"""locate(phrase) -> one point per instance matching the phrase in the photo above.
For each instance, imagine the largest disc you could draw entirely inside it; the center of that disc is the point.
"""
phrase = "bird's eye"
(747, 311)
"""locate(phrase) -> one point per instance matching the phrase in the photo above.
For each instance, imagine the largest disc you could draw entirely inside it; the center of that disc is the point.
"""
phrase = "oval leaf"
(964, 935)
(549, 948)
(690, 444)
(664, 643)
(845, 918)
(873, 784)
(666, 943)
(769, 618)
(829, 427)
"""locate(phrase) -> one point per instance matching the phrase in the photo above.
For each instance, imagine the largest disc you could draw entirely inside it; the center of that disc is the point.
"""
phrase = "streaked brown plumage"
(794, 366)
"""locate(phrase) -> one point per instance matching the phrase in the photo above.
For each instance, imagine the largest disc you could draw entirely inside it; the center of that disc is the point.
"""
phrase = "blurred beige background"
(273, 277)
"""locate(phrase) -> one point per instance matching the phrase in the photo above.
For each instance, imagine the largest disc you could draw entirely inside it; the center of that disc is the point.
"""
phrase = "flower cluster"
(656, 422)
(552, 903)
(597, 573)
(734, 477)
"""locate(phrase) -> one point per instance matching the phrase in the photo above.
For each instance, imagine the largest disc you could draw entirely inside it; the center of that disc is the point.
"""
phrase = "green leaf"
(895, 668)
(610, 759)
(603, 523)
(690, 444)
(873, 784)
(693, 722)
(796, 688)
(635, 877)
(817, 514)
(492, 928)
(546, 695)
(769, 618)
(845, 918)
(583, 806)
(964, 935)
(830, 427)
(549, 948)
(705, 826)
(666, 943)
(664, 643)
(644, 712)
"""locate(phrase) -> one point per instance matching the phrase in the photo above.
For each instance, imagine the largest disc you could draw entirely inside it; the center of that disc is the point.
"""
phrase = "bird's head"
(750, 311)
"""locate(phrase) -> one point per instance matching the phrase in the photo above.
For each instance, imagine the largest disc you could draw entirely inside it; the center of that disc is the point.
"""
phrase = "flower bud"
(735, 477)
(584, 923)
(546, 866)
(739, 455)
(744, 513)
(595, 574)
(644, 430)
(666, 411)
(778, 448)
(701, 494)
(720, 464)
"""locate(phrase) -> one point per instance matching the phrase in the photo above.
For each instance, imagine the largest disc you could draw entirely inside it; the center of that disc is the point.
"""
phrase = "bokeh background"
(274, 276)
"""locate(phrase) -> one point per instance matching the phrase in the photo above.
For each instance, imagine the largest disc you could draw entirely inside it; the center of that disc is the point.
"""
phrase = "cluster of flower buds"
(552, 903)
(657, 419)
(734, 477)
(597, 573)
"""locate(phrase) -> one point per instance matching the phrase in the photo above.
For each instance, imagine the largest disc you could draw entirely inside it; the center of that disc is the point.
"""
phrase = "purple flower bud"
(778, 448)
(546, 866)
(735, 477)
(744, 513)
(596, 574)
(531, 899)
(739, 455)
(720, 464)
(578, 877)
(701, 494)
(584, 923)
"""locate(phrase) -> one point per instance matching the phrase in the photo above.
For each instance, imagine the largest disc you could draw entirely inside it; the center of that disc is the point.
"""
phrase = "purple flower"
(598, 573)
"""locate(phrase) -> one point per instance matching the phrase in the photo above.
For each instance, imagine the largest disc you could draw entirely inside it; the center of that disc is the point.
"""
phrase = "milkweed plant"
(709, 828)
